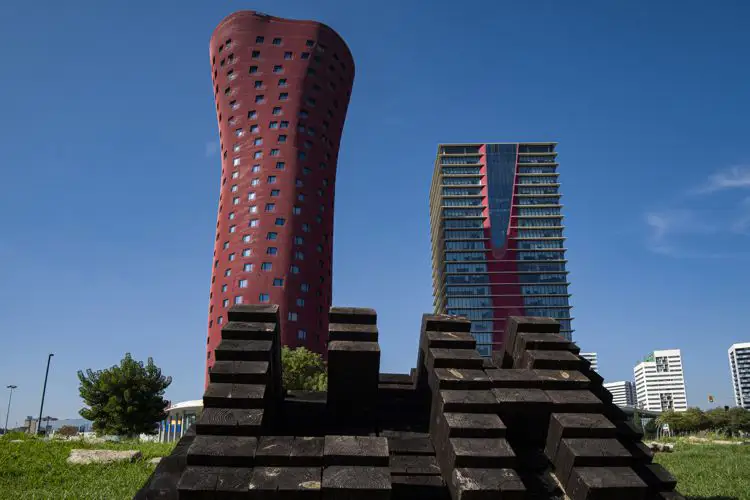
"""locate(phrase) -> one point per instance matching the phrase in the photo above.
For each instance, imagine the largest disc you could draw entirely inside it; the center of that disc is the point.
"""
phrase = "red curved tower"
(281, 89)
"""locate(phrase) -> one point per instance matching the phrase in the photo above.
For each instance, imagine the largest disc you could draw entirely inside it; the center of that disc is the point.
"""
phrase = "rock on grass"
(84, 457)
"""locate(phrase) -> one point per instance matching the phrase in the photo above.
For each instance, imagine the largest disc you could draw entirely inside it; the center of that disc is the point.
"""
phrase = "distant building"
(660, 382)
(623, 392)
(180, 416)
(739, 365)
(497, 237)
(592, 358)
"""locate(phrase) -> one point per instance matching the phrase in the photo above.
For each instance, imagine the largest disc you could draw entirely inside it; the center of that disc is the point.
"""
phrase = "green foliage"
(124, 400)
(303, 370)
(728, 422)
(67, 431)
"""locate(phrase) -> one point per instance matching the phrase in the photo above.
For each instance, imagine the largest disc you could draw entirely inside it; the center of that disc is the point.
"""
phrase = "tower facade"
(623, 392)
(739, 365)
(497, 237)
(281, 89)
(660, 381)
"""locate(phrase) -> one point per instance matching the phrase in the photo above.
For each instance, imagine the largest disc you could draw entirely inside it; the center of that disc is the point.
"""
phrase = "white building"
(180, 416)
(593, 358)
(623, 392)
(739, 365)
(660, 382)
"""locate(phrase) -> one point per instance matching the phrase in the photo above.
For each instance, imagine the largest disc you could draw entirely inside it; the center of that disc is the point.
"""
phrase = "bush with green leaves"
(125, 399)
(303, 370)
(729, 421)
(67, 431)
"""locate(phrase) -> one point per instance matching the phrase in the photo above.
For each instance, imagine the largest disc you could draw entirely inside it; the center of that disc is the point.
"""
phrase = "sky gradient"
(111, 170)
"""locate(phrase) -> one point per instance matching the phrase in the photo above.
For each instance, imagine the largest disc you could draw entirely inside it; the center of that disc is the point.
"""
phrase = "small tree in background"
(67, 431)
(126, 399)
(303, 370)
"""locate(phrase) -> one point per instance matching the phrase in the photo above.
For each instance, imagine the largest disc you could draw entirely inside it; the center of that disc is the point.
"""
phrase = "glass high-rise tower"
(497, 237)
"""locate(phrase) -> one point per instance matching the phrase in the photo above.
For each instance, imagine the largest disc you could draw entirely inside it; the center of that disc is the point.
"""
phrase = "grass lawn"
(704, 471)
(36, 469)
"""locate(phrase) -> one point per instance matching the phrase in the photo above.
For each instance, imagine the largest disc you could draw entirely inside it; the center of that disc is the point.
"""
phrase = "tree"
(303, 370)
(67, 431)
(124, 400)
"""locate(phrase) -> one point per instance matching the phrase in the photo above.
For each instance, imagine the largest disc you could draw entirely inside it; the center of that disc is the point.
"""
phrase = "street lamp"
(10, 397)
(44, 390)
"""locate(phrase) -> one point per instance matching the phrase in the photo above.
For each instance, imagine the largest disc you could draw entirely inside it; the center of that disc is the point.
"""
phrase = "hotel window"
(278, 282)
(276, 41)
(263, 297)
(305, 287)
(260, 98)
(226, 245)
(225, 302)
(305, 55)
(254, 129)
(278, 69)
(270, 207)
(255, 169)
(266, 266)
(259, 39)
(248, 267)
(251, 195)
(280, 165)
(258, 155)
(288, 55)
(282, 82)
(301, 334)
(294, 269)
(227, 272)
(296, 210)
(256, 54)
(234, 188)
(272, 236)
(238, 299)
(273, 125)
(282, 138)
(277, 110)
(235, 175)
(272, 251)
(231, 257)
(283, 96)
(258, 141)
(231, 215)
(239, 132)
(275, 152)
(246, 238)
(235, 162)
(292, 316)
(223, 288)
(280, 221)
(284, 124)
(236, 148)
(275, 192)
(253, 70)
(254, 223)
(235, 201)
(258, 84)
(300, 302)
(254, 209)
(299, 240)
(299, 255)
(306, 227)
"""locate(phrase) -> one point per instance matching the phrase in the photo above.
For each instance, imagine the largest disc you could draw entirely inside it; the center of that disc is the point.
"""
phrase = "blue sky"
(110, 173)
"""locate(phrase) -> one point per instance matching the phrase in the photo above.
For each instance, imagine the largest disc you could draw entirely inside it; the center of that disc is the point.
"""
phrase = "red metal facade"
(281, 88)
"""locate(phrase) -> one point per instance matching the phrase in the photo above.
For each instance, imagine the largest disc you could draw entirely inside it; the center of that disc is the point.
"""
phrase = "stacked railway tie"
(590, 448)
(533, 422)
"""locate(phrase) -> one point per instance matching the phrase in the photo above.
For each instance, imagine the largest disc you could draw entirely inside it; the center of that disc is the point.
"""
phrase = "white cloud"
(737, 177)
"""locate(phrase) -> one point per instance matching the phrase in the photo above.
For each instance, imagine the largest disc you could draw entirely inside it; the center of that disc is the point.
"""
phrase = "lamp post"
(44, 390)
(7, 414)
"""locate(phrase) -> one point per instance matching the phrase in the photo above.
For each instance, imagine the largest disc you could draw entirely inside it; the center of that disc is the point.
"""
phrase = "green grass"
(36, 469)
(704, 471)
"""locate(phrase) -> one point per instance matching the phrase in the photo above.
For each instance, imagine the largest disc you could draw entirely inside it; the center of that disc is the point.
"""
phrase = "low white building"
(592, 358)
(739, 366)
(623, 392)
(180, 416)
(660, 381)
